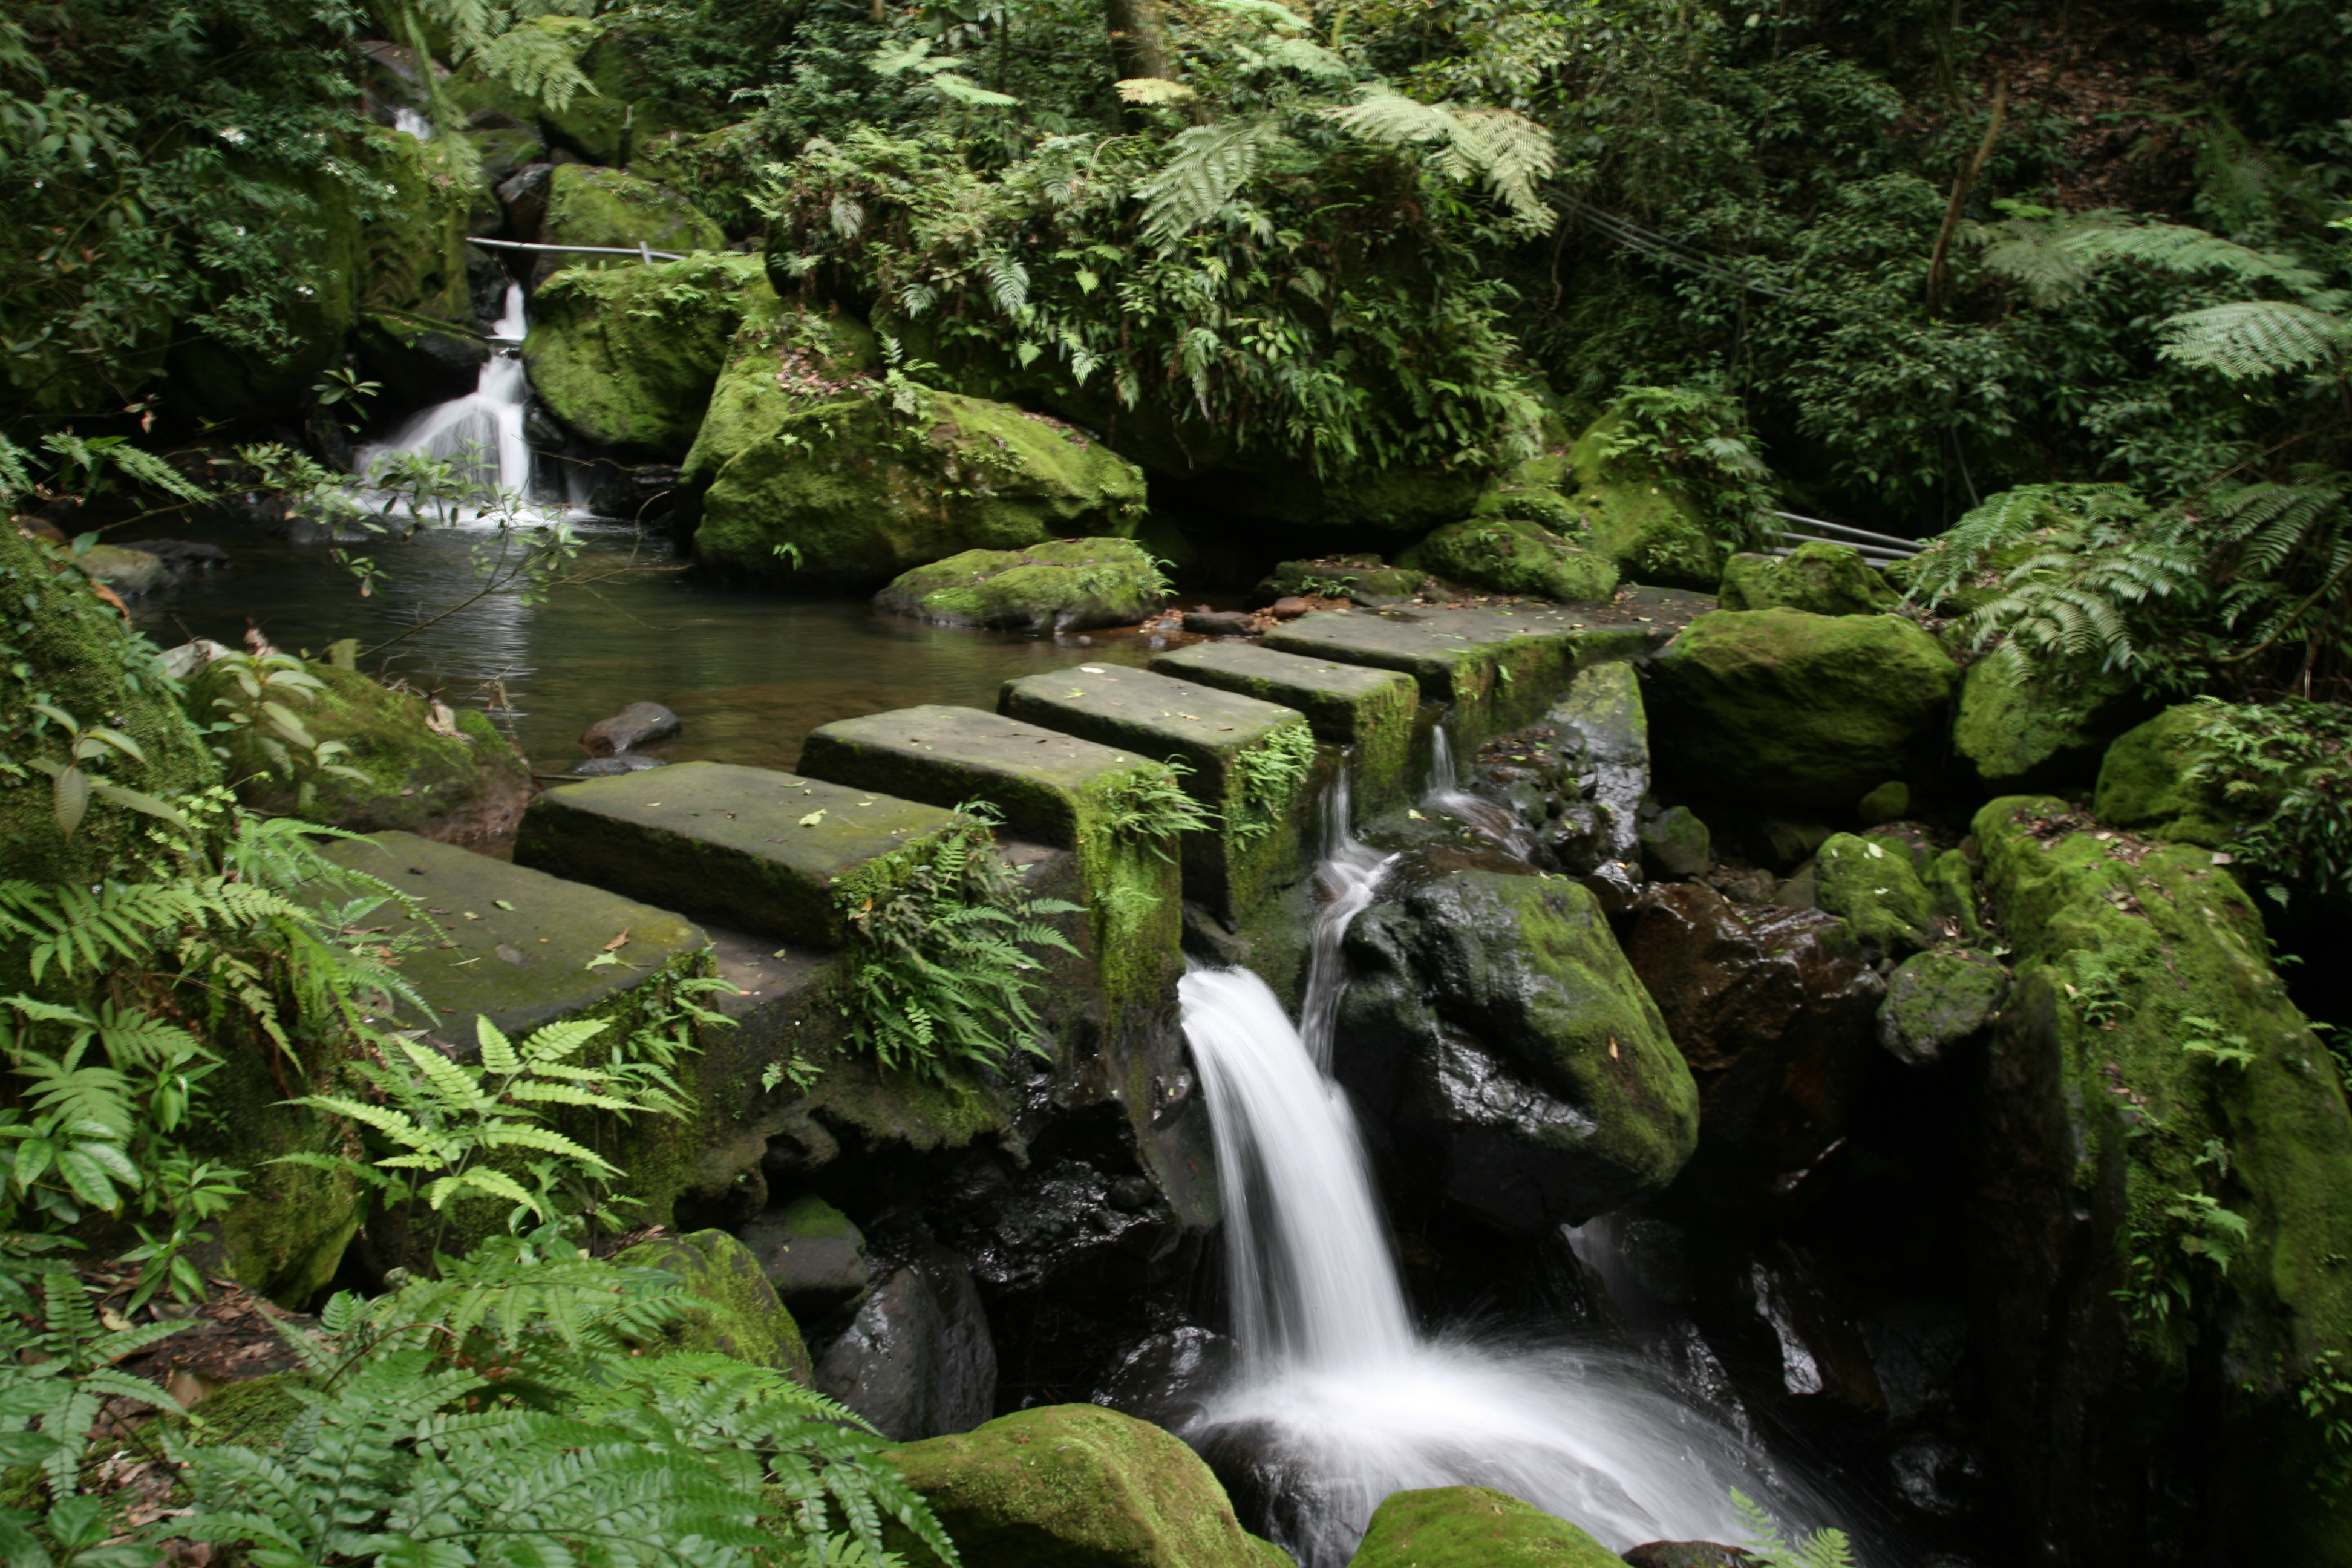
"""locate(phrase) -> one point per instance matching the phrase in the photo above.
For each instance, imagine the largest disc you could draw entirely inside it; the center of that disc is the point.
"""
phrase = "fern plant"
(1761, 1539)
(1698, 436)
(1267, 780)
(1149, 806)
(2284, 771)
(938, 967)
(57, 1373)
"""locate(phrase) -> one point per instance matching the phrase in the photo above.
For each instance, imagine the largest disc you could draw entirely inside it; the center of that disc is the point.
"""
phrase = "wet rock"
(184, 555)
(1219, 623)
(1068, 1228)
(1935, 1001)
(1166, 1378)
(1821, 579)
(738, 1313)
(917, 1360)
(1061, 585)
(1885, 804)
(638, 724)
(812, 1253)
(643, 494)
(1366, 579)
(1688, 1554)
(524, 195)
(1675, 844)
(1605, 742)
(1474, 1527)
(1872, 886)
(129, 573)
(606, 767)
(1775, 1011)
(1497, 1029)
(1917, 1349)
(1288, 608)
(1934, 1475)
(622, 361)
(1081, 1486)
(1780, 707)
(1821, 1352)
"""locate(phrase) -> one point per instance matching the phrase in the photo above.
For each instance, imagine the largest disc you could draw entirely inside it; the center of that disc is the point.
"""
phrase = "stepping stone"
(1052, 787)
(1496, 670)
(749, 847)
(1368, 711)
(520, 943)
(1219, 735)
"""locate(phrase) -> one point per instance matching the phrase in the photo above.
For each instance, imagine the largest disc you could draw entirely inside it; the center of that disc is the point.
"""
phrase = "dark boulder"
(812, 1253)
(638, 724)
(918, 1361)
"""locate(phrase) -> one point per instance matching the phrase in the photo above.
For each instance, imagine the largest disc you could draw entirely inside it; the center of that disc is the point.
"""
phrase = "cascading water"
(482, 432)
(1337, 1402)
(1446, 794)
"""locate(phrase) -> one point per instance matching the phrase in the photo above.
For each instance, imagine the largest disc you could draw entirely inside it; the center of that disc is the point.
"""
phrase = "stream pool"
(750, 672)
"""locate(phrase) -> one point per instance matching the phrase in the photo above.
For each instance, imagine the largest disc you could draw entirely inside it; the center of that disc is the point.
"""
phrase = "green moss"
(1952, 884)
(2145, 783)
(740, 1316)
(253, 1414)
(1795, 709)
(592, 206)
(1062, 586)
(1825, 579)
(1369, 712)
(1935, 1000)
(861, 493)
(412, 245)
(62, 644)
(1077, 1485)
(1642, 522)
(1875, 888)
(1890, 801)
(628, 357)
(419, 779)
(2019, 731)
(1361, 577)
(1495, 669)
(1511, 555)
(1474, 1527)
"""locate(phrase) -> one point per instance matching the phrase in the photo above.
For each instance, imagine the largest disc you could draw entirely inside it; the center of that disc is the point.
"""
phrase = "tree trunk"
(1138, 43)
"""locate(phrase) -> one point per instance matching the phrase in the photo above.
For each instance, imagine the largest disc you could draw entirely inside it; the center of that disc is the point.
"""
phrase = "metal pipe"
(639, 250)
(1909, 545)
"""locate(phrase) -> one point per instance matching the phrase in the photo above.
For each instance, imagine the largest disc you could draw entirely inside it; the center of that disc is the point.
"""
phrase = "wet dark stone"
(1934, 1475)
(524, 197)
(1688, 1554)
(181, 554)
(1219, 623)
(1065, 1227)
(811, 1254)
(917, 1360)
(606, 767)
(639, 495)
(1166, 1378)
(638, 724)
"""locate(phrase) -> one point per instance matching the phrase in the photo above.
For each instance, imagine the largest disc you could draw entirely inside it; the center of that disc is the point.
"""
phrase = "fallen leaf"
(814, 817)
(471, 915)
(502, 903)
(511, 954)
(603, 961)
(1416, 816)
(618, 941)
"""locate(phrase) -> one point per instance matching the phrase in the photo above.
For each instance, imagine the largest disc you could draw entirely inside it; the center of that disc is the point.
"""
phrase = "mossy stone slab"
(1367, 709)
(1053, 787)
(1496, 669)
(746, 847)
(1213, 731)
(524, 965)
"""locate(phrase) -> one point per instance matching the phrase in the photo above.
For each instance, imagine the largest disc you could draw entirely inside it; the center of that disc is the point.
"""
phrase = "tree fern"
(1208, 165)
(2255, 337)
(1511, 152)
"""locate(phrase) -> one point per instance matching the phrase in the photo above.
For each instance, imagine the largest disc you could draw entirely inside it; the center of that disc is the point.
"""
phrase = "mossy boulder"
(1497, 1029)
(2146, 783)
(1642, 519)
(430, 771)
(592, 206)
(1474, 1527)
(73, 649)
(1062, 586)
(1366, 579)
(1795, 709)
(739, 1314)
(628, 357)
(129, 572)
(605, 125)
(1936, 1000)
(1872, 886)
(1825, 579)
(2020, 732)
(1077, 1485)
(413, 244)
(1675, 843)
(1511, 555)
(856, 492)
(2165, 1198)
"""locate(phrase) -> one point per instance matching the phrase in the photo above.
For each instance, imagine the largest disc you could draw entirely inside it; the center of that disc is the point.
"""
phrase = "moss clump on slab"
(1795, 709)
(1874, 887)
(419, 780)
(1077, 1486)
(1474, 1527)
(628, 357)
(741, 1315)
(855, 492)
(1512, 555)
(1823, 579)
(1062, 586)
(1365, 578)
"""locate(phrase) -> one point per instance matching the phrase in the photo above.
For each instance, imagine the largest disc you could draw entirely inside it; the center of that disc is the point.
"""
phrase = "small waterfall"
(1446, 794)
(1351, 877)
(482, 432)
(413, 122)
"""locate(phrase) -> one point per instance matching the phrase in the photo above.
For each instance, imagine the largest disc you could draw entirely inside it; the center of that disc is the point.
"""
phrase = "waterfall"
(1337, 1402)
(1350, 876)
(482, 432)
(1445, 792)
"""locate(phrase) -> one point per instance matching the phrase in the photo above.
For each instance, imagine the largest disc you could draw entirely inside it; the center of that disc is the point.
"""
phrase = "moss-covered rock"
(129, 572)
(628, 357)
(1077, 1486)
(623, 111)
(1794, 709)
(1641, 520)
(413, 243)
(740, 1315)
(1874, 887)
(1890, 801)
(1935, 1001)
(1474, 1527)
(856, 492)
(592, 206)
(1511, 555)
(2144, 782)
(1675, 843)
(1497, 1027)
(1825, 579)
(2021, 733)
(1062, 586)
(2166, 1197)
(420, 779)
(71, 648)
(1365, 578)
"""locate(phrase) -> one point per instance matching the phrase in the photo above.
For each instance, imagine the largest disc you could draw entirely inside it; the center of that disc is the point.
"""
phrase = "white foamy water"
(1446, 794)
(1340, 1403)
(481, 432)
(1351, 877)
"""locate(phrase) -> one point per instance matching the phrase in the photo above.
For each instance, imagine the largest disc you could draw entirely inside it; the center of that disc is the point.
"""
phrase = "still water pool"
(749, 672)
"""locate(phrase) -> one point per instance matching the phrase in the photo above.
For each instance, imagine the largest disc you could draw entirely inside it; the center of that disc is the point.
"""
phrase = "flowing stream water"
(1338, 1401)
(483, 431)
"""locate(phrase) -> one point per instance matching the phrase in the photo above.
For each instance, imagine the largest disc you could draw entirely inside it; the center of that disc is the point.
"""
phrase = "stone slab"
(1228, 869)
(516, 943)
(750, 848)
(1367, 709)
(1495, 669)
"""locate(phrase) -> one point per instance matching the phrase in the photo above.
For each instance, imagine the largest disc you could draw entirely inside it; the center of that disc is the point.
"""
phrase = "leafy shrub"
(2284, 769)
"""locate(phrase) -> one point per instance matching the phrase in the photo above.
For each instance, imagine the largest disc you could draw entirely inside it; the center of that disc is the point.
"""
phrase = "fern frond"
(2255, 338)
(1207, 167)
